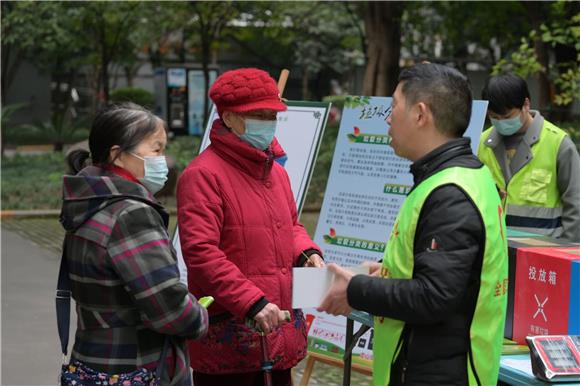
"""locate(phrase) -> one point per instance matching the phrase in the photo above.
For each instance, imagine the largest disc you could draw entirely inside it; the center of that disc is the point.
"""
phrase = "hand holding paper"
(314, 260)
(335, 302)
(374, 267)
(311, 285)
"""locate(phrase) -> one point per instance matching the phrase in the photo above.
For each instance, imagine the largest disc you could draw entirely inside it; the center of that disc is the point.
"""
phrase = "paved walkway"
(30, 346)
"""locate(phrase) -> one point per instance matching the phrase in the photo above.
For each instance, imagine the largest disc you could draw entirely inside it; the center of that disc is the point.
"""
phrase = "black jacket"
(438, 303)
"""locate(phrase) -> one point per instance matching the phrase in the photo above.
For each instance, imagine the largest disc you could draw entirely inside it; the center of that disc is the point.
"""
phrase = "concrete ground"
(30, 346)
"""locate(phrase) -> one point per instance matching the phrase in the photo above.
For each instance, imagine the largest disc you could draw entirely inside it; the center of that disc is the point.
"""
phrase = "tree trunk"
(355, 16)
(305, 81)
(95, 82)
(60, 103)
(181, 51)
(105, 80)
(2, 142)
(9, 67)
(131, 71)
(155, 58)
(115, 74)
(537, 16)
(7, 50)
(103, 89)
(383, 30)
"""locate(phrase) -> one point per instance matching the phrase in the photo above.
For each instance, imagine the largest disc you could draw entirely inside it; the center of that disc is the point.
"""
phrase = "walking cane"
(283, 316)
(267, 364)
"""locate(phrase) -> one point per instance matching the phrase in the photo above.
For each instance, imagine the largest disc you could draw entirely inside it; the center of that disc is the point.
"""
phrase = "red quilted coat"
(240, 238)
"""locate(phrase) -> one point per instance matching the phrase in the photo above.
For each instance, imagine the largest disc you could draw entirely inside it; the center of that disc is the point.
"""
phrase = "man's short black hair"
(445, 90)
(505, 92)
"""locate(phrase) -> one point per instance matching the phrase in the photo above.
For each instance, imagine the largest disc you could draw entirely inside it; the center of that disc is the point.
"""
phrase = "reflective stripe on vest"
(486, 331)
(544, 221)
(534, 187)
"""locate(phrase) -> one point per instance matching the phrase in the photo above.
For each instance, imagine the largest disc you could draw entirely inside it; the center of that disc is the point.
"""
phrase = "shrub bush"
(183, 149)
(133, 94)
(32, 181)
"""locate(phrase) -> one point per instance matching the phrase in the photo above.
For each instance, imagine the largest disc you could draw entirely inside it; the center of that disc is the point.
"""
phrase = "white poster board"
(366, 186)
(299, 132)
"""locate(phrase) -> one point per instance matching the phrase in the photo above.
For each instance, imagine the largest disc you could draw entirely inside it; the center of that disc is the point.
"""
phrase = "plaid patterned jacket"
(124, 278)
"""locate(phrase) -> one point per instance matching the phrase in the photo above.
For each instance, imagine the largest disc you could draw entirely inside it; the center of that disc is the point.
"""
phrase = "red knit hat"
(244, 90)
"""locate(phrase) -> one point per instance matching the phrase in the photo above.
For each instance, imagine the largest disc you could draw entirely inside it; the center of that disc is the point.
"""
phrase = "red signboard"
(542, 292)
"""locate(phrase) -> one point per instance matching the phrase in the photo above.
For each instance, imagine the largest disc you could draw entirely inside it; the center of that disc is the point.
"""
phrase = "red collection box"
(547, 296)
(517, 241)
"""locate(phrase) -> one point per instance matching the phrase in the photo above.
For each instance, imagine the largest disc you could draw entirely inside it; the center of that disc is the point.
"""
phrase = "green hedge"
(133, 94)
(19, 136)
(32, 181)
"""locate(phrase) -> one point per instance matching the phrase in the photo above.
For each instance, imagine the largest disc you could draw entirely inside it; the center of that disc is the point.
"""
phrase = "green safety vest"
(486, 331)
(533, 198)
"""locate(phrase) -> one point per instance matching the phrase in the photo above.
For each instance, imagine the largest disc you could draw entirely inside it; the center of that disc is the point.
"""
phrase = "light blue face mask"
(507, 127)
(156, 172)
(259, 133)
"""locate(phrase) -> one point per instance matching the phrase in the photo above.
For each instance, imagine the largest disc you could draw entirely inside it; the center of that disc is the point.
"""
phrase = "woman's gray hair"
(124, 125)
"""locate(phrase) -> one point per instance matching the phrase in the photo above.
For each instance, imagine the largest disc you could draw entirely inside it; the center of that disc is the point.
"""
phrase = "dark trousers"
(279, 378)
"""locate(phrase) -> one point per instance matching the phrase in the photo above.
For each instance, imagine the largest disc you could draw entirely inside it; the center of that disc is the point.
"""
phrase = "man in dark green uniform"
(438, 298)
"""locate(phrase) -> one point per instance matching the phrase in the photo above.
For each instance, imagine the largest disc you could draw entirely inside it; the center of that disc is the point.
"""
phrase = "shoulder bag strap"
(63, 294)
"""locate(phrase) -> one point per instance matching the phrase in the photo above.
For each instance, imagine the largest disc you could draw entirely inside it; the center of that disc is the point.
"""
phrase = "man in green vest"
(533, 162)
(439, 297)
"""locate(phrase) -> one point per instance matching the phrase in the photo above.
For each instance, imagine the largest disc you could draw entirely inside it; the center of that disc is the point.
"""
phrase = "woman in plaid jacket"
(121, 263)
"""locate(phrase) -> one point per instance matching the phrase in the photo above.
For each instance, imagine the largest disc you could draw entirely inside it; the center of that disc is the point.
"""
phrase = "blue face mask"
(259, 133)
(156, 172)
(507, 127)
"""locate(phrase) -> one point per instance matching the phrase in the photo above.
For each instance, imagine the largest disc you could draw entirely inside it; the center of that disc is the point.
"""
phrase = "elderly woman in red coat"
(240, 237)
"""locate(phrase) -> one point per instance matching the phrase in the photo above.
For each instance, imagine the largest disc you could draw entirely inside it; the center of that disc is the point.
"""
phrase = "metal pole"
(348, 355)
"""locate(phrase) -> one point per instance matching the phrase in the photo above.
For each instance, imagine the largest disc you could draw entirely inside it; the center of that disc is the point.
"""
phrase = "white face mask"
(156, 172)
